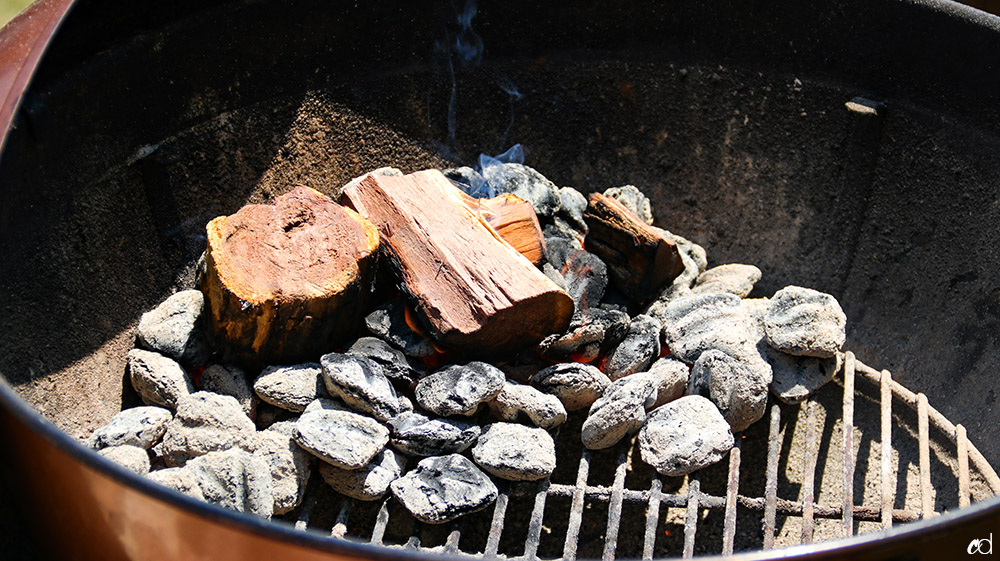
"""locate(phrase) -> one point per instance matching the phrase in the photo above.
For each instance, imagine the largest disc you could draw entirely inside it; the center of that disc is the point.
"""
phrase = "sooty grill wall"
(143, 125)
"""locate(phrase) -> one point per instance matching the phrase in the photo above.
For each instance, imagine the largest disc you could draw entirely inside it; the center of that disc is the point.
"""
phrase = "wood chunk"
(286, 281)
(471, 289)
(516, 222)
(641, 259)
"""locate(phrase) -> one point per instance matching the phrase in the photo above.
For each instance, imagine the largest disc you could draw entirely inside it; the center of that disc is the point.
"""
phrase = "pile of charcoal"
(393, 414)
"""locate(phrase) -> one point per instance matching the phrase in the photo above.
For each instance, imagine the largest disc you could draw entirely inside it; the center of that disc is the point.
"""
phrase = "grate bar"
(809, 473)
(576, 509)
(652, 517)
(615, 507)
(886, 482)
(496, 526)
(535, 525)
(691, 517)
(963, 466)
(302, 521)
(451, 543)
(926, 501)
(381, 521)
(339, 529)
(771, 489)
(732, 491)
(848, 424)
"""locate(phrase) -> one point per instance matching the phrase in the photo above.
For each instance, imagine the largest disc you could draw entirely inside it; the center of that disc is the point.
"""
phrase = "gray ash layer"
(361, 383)
(174, 329)
(415, 434)
(343, 438)
(140, 426)
(805, 322)
(157, 379)
(684, 436)
(442, 488)
(291, 387)
(459, 389)
(575, 384)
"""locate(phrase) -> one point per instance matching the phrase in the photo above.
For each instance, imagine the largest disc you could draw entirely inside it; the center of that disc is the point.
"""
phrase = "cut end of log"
(471, 288)
(641, 259)
(286, 279)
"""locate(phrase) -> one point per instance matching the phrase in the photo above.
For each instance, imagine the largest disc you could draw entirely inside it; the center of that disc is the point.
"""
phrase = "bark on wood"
(641, 259)
(285, 282)
(516, 222)
(472, 290)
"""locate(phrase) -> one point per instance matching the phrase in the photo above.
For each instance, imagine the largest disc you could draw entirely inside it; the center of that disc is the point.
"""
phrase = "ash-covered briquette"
(442, 488)
(670, 377)
(235, 479)
(684, 436)
(133, 458)
(368, 483)
(526, 184)
(206, 422)
(158, 379)
(139, 426)
(697, 323)
(695, 261)
(619, 412)
(518, 401)
(561, 243)
(515, 452)
(388, 322)
(416, 434)
(291, 387)
(180, 479)
(575, 384)
(393, 361)
(343, 438)
(737, 390)
(733, 278)
(805, 322)
(289, 465)
(633, 199)
(798, 377)
(639, 348)
(361, 383)
(587, 336)
(174, 329)
(586, 280)
(459, 389)
(572, 205)
(231, 380)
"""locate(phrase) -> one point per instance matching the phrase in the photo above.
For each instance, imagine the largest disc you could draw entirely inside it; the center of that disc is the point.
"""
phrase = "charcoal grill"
(141, 125)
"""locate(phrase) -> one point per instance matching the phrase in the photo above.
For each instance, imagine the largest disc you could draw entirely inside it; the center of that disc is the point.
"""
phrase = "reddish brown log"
(473, 291)
(516, 222)
(285, 282)
(641, 259)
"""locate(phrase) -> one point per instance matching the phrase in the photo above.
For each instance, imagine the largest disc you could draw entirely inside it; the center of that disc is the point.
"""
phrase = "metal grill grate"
(764, 520)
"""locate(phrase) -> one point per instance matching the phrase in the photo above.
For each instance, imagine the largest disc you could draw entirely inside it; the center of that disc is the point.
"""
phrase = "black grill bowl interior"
(144, 123)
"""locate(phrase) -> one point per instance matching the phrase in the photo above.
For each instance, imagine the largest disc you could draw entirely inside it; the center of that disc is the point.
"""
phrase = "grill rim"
(12, 404)
(916, 532)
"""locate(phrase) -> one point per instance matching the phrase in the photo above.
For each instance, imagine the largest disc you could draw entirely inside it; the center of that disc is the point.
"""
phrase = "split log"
(641, 259)
(285, 282)
(516, 222)
(472, 290)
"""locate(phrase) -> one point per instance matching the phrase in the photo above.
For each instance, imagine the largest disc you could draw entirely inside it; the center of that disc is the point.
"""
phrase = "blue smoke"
(473, 182)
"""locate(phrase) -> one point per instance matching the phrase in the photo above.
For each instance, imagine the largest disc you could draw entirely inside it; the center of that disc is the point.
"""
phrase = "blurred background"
(10, 8)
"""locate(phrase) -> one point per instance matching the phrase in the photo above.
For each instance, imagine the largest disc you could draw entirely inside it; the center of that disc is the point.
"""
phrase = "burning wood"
(640, 259)
(285, 281)
(472, 290)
